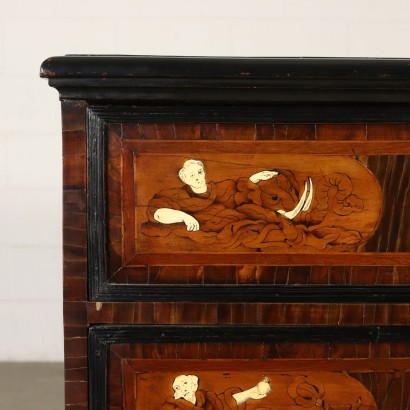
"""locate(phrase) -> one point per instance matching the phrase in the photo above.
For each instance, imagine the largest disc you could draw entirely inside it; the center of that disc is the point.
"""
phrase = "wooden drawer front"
(318, 208)
(154, 367)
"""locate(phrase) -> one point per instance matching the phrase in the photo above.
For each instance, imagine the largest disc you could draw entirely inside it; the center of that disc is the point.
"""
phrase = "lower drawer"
(268, 367)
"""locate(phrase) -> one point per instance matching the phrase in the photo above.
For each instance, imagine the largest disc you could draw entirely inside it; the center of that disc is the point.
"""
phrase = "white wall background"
(30, 139)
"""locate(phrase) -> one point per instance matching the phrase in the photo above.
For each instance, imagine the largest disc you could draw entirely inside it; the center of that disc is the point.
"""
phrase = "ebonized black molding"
(302, 113)
(96, 214)
(229, 80)
(131, 66)
(100, 339)
(109, 292)
(102, 289)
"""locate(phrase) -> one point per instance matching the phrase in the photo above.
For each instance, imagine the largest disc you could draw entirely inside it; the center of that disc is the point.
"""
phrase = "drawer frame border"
(98, 117)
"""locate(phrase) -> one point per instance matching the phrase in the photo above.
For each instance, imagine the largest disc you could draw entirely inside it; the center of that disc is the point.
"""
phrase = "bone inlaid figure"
(188, 396)
(193, 175)
(270, 209)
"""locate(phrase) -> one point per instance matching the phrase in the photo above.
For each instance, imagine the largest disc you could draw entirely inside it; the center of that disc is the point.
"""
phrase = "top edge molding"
(230, 80)
(107, 66)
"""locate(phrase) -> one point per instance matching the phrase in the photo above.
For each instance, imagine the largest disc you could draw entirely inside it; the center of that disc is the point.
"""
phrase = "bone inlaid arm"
(258, 392)
(262, 176)
(172, 216)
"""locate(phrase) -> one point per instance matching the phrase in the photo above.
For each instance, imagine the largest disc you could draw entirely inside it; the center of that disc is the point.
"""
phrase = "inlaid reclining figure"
(198, 195)
(187, 396)
(262, 212)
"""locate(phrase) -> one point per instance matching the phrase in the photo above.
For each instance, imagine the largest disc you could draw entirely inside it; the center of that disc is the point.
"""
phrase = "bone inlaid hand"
(262, 176)
(258, 392)
(172, 216)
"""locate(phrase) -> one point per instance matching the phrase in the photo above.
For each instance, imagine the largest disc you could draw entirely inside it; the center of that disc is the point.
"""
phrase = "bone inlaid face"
(268, 203)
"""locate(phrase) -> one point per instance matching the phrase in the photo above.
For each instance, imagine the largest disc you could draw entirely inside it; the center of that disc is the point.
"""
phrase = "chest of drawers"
(236, 232)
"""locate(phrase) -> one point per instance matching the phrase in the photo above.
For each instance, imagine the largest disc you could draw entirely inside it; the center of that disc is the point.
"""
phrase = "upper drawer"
(238, 175)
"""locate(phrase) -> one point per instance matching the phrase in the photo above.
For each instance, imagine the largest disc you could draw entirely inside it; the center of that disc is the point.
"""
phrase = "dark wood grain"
(326, 147)
(329, 259)
(340, 132)
(248, 313)
(278, 132)
(75, 254)
(393, 174)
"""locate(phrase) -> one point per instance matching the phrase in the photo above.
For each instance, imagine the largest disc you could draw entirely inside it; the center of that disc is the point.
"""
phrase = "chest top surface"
(229, 79)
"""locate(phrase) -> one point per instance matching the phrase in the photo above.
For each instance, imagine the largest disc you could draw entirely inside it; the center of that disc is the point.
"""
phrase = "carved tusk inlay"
(303, 204)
